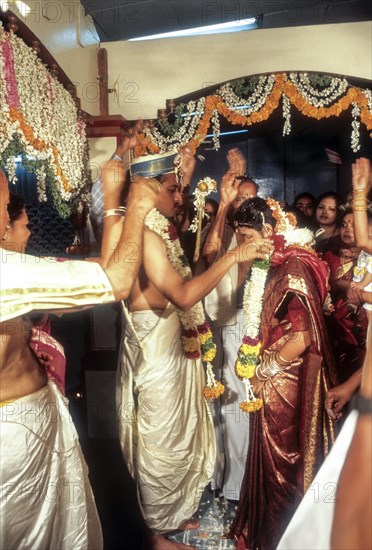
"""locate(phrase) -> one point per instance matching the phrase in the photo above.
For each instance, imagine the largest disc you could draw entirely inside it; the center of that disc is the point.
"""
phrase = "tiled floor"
(215, 516)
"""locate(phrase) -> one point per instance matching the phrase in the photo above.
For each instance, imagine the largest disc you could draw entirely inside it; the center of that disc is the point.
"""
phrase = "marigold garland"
(291, 87)
(40, 122)
(196, 335)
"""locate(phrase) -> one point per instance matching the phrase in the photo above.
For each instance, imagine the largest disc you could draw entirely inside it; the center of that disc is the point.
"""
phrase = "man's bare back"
(20, 372)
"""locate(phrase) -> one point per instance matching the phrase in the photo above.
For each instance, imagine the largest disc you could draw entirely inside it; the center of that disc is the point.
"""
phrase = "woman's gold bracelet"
(282, 359)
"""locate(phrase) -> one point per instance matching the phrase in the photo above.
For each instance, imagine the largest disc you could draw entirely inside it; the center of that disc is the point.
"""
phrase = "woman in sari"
(291, 433)
(48, 350)
(347, 325)
(327, 215)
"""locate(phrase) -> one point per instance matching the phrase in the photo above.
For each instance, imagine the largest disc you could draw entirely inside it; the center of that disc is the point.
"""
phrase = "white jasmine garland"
(322, 97)
(10, 166)
(299, 236)
(47, 123)
(216, 130)
(355, 137)
(253, 301)
(255, 101)
(368, 96)
(287, 116)
(159, 224)
(41, 189)
(194, 112)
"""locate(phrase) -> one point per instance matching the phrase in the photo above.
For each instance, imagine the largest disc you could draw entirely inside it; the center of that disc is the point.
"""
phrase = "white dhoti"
(46, 502)
(166, 432)
(234, 422)
(220, 305)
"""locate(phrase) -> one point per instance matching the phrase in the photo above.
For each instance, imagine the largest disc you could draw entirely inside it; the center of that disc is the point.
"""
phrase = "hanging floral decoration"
(197, 338)
(286, 235)
(39, 121)
(202, 190)
(250, 101)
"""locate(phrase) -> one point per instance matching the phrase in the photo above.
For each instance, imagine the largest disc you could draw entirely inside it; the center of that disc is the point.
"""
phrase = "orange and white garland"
(41, 113)
(197, 338)
(295, 90)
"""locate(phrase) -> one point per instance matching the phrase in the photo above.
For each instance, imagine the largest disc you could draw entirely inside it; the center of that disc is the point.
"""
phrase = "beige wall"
(149, 72)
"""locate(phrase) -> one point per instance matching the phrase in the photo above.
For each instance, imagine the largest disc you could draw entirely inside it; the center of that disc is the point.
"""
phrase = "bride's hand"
(256, 384)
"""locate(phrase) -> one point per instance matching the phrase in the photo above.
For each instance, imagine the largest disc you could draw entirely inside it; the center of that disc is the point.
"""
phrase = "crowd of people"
(285, 293)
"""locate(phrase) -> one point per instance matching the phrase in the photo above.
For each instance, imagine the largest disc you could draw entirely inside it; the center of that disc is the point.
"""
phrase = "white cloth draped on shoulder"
(32, 283)
(46, 501)
(166, 432)
(311, 526)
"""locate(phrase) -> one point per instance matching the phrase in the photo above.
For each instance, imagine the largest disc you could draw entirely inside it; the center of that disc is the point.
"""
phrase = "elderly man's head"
(4, 199)
(247, 190)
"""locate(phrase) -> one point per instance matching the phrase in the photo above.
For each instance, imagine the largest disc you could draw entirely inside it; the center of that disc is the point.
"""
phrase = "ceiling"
(123, 19)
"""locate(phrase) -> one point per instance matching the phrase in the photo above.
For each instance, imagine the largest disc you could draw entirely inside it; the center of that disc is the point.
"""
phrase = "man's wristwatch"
(361, 404)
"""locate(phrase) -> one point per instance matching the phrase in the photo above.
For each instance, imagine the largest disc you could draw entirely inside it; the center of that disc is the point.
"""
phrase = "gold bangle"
(360, 209)
(258, 372)
(282, 359)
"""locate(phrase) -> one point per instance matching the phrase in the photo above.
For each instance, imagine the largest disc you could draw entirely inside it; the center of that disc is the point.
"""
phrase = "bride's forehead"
(246, 230)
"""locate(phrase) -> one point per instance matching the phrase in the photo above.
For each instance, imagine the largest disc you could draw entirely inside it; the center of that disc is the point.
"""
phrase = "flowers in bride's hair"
(196, 336)
(299, 237)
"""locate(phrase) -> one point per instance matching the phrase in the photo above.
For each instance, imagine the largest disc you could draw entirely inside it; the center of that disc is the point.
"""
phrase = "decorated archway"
(253, 100)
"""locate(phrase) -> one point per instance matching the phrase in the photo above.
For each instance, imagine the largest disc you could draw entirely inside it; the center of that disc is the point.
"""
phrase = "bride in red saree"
(291, 433)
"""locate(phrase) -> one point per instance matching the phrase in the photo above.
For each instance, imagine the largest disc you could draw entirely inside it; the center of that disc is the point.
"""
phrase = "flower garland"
(286, 234)
(249, 351)
(319, 97)
(314, 96)
(251, 103)
(197, 338)
(39, 120)
(202, 190)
